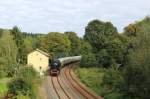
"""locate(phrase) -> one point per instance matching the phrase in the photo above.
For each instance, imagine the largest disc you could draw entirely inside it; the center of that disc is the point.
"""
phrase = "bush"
(91, 77)
(18, 85)
(136, 75)
(28, 74)
(88, 60)
(105, 82)
(25, 83)
(114, 95)
(112, 82)
(20, 96)
(137, 70)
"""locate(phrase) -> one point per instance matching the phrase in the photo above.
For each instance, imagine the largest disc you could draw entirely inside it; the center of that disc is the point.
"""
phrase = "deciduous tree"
(56, 44)
(17, 36)
(75, 43)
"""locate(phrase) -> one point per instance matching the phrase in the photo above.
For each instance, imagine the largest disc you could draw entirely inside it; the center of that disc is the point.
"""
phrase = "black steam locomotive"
(59, 63)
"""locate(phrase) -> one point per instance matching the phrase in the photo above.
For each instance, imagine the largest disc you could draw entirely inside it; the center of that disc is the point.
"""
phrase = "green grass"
(3, 89)
(91, 77)
(3, 86)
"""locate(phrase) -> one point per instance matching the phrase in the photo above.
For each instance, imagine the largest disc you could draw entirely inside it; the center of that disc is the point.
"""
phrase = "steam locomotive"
(59, 63)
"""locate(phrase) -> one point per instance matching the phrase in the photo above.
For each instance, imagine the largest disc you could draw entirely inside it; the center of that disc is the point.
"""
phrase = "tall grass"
(91, 77)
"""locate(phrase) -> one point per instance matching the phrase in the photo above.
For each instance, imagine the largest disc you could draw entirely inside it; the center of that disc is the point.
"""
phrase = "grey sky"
(69, 15)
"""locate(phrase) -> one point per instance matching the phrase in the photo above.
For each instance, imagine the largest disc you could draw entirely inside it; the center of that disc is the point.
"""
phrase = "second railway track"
(66, 86)
(83, 91)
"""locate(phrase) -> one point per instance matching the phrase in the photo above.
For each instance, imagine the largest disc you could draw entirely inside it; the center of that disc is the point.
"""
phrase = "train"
(59, 63)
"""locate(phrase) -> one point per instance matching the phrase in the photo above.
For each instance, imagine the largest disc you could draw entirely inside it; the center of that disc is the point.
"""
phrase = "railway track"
(60, 91)
(82, 90)
(66, 86)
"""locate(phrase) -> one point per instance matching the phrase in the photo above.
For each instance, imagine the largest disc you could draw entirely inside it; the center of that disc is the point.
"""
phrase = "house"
(39, 60)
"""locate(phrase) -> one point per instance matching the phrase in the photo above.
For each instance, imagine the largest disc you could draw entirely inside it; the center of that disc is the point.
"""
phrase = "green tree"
(75, 43)
(97, 33)
(106, 43)
(112, 82)
(56, 44)
(1, 32)
(18, 37)
(32, 39)
(88, 58)
(8, 53)
(131, 30)
(29, 44)
(137, 70)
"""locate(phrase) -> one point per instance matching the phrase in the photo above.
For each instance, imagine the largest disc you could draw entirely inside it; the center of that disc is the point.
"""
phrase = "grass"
(3, 86)
(3, 89)
(91, 77)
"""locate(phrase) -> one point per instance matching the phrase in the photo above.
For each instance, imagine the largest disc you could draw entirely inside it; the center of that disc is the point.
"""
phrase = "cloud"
(69, 15)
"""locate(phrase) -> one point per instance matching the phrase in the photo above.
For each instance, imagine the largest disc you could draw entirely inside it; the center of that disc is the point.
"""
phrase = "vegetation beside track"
(3, 86)
(91, 77)
(103, 81)
(3, 89)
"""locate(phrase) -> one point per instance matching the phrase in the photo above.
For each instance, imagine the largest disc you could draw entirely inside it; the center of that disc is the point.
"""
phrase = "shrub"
(88, 60)
(28, 74)
(114, 95)
(137, 70)
(20, 96)
(112, 81)
(136, 75)
(18, 85)
(25, 83)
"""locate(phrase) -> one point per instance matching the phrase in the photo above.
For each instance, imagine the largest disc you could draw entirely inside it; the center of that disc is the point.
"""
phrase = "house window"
(40, 67)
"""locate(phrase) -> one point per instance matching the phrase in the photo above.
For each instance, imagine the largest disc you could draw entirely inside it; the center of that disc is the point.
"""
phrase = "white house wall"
(39, 61)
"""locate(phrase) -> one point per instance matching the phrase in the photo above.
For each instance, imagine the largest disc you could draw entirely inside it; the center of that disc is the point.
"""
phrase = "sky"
(43, 16)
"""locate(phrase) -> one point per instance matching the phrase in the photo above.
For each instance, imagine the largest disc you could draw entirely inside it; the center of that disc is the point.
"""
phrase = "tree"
(8, 53)
(75, 43)
(106, 43)
(32, 39)
(18, 37)
(137, 70)
(134, 32)
(1, 32)
(131, 30)
(111, 83)
(88, 58)
(28, 42)
(97, 33)
(56, 44)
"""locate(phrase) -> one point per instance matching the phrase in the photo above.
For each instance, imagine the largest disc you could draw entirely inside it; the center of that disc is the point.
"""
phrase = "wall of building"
(39, 61)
